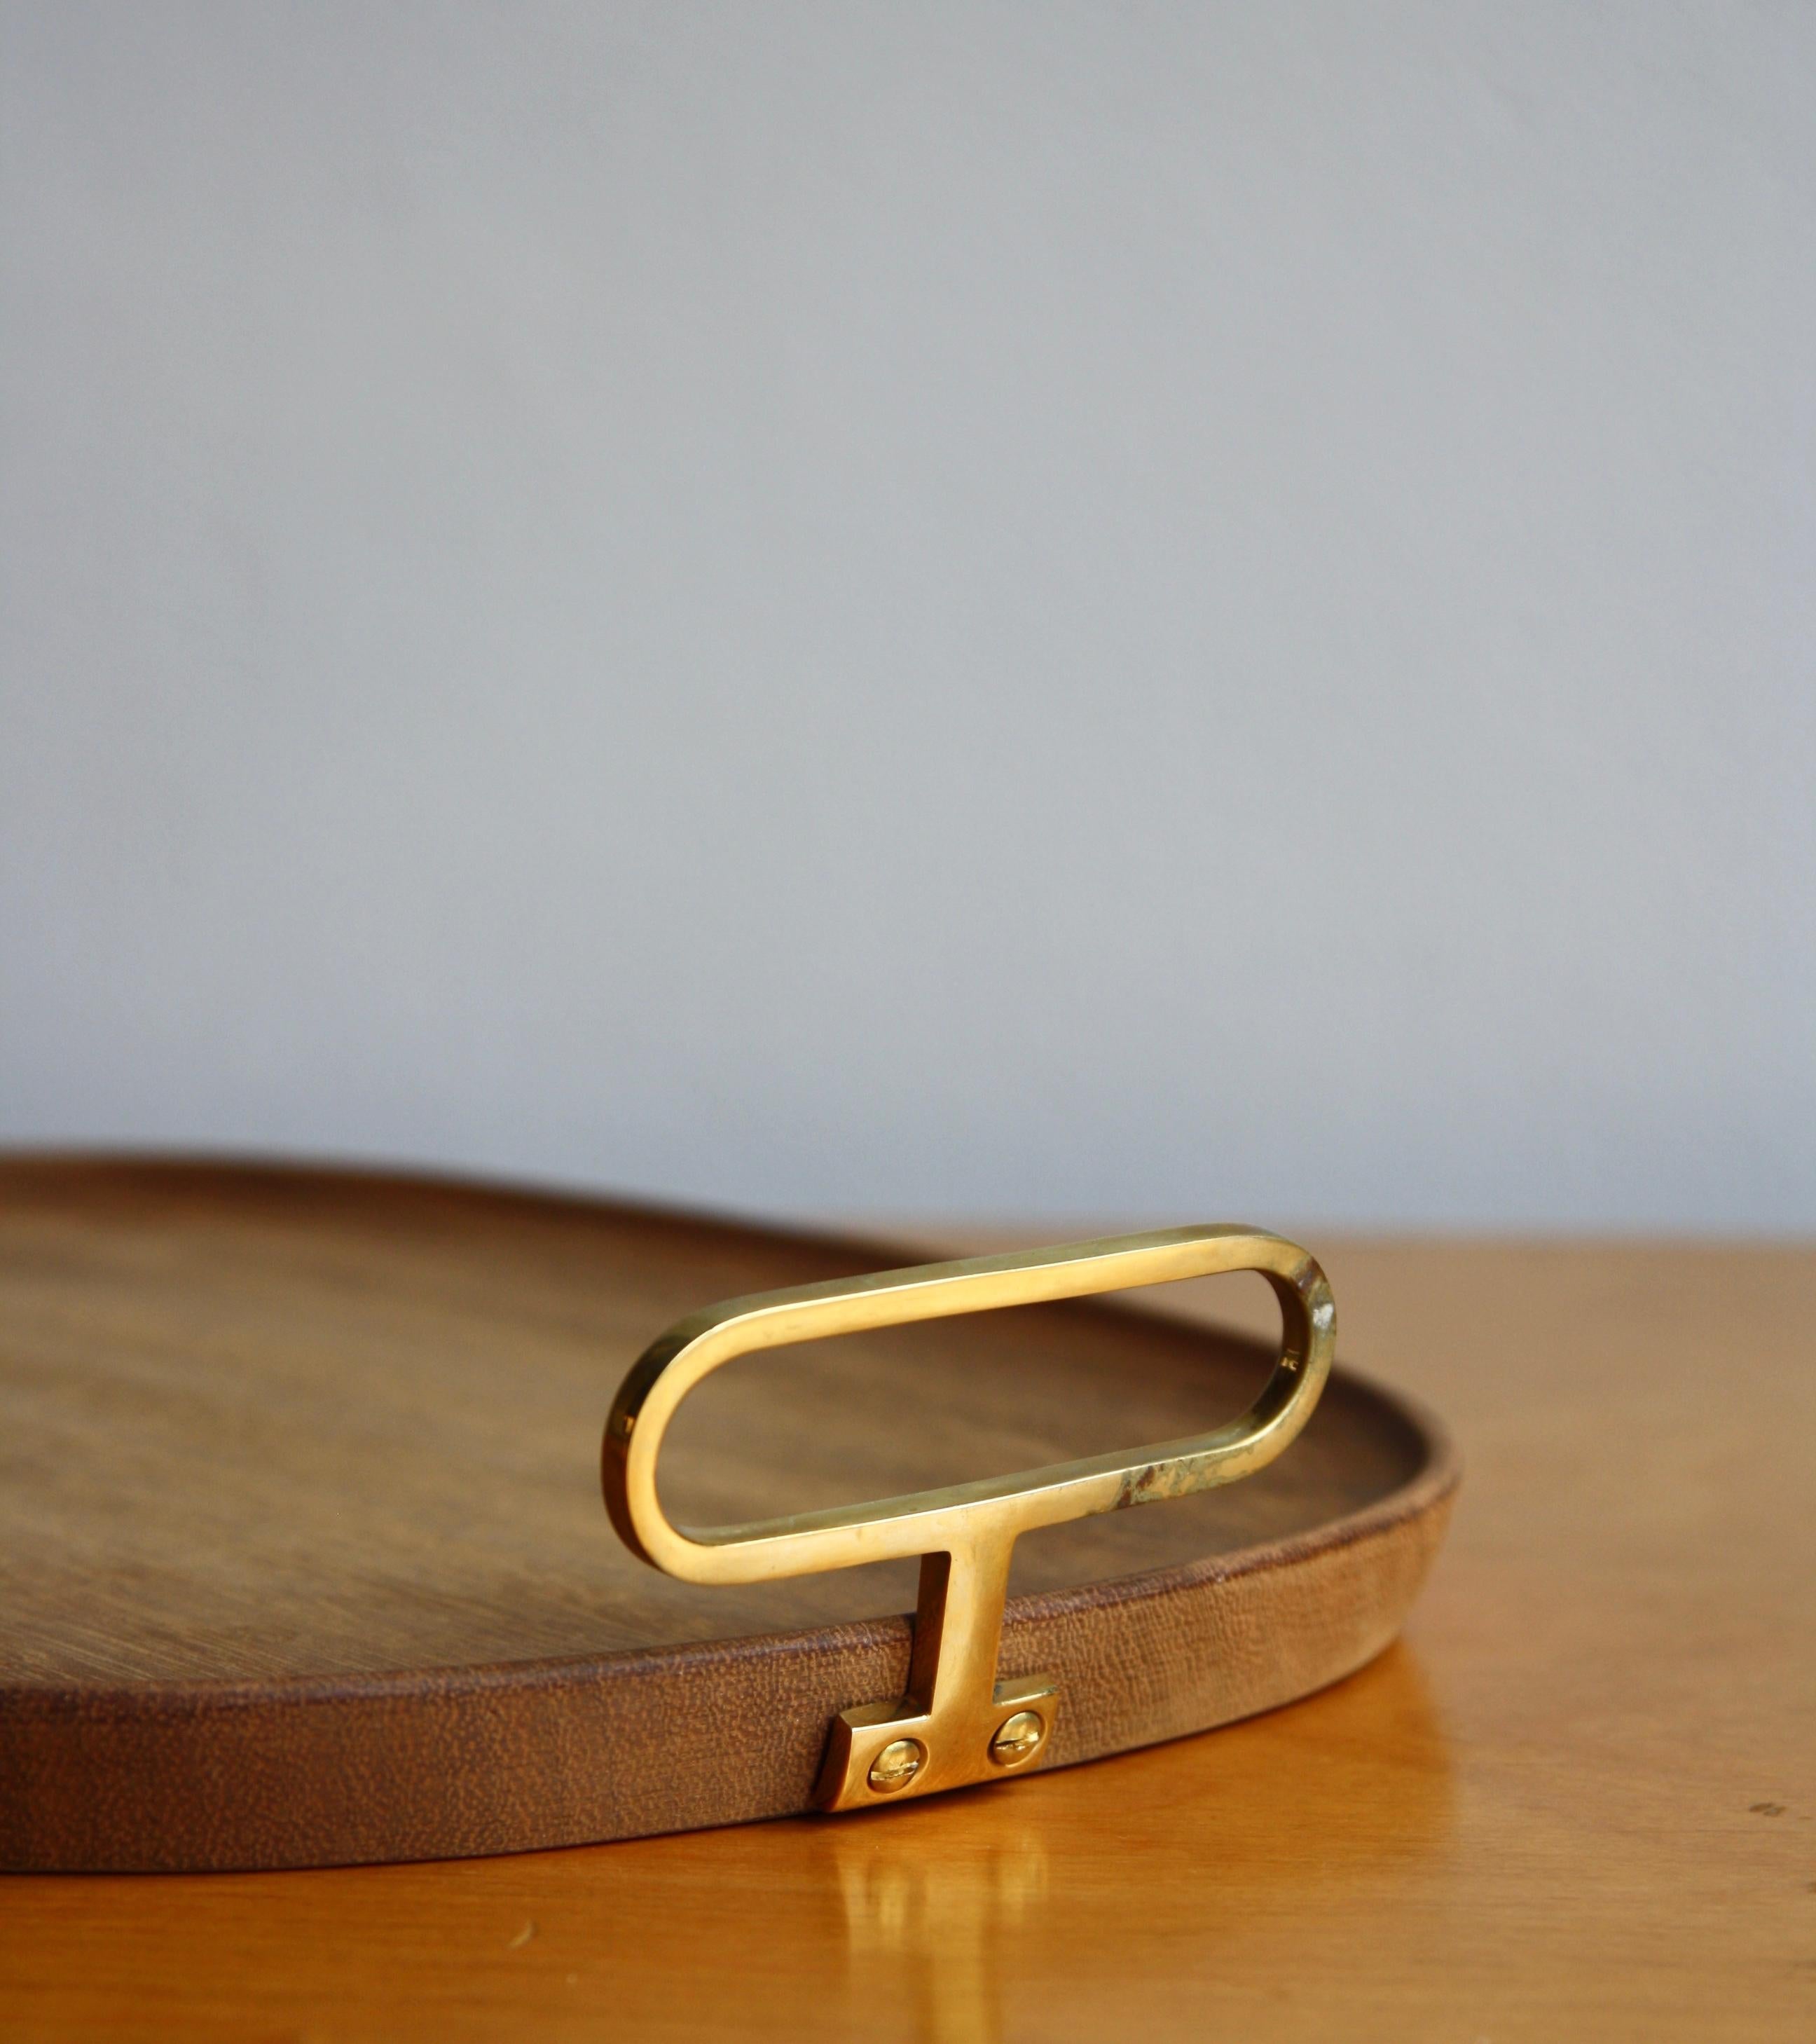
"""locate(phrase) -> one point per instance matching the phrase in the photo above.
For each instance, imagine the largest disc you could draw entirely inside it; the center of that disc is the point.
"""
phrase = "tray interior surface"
(270, 1423)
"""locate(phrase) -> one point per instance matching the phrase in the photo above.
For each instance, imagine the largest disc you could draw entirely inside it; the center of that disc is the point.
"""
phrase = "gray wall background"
(1189, 610)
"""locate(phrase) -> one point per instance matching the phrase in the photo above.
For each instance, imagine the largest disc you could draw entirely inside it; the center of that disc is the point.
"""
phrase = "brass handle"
(957, 1724)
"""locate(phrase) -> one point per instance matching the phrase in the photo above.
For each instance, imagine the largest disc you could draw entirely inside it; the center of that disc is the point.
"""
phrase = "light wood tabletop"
(1579, 1799)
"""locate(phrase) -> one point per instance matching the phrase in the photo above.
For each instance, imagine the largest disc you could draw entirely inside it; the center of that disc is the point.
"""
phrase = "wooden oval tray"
(304, 1561)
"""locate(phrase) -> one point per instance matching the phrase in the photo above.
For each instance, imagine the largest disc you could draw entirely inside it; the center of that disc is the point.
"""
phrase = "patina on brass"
(968, 1726)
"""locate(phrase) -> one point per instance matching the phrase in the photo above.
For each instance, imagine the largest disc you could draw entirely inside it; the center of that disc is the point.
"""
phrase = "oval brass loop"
(962, 1518)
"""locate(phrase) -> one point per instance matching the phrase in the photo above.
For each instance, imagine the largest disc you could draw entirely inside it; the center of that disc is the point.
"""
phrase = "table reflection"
(1000, 1910)
(925, 1925)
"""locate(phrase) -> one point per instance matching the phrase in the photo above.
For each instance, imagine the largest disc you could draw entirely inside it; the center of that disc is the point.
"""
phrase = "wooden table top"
(1578, 1801)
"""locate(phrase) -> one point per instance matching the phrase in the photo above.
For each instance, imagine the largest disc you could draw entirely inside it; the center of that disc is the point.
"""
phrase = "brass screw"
(896, 1765)
(1018, 1739)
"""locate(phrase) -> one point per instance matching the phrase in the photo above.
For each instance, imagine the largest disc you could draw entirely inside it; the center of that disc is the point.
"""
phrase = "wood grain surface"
(1577, 1801)
(308, 1564)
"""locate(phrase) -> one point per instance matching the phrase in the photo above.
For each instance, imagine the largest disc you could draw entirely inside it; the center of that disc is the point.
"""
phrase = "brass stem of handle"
(958, 1723)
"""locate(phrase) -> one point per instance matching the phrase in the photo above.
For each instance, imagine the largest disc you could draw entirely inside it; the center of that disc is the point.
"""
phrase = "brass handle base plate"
(951, 1749)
